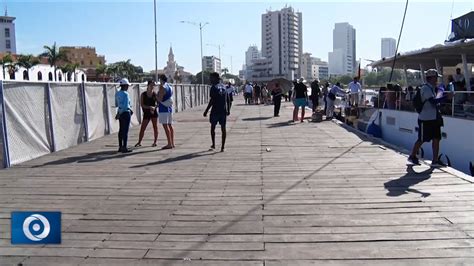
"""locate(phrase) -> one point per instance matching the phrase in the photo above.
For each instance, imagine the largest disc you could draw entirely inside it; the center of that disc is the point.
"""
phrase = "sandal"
(138, 145)
(166, 147)
(153, 145)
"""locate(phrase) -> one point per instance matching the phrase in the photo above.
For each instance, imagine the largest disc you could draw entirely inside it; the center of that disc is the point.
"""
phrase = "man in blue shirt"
(124, 114)
(219, 112)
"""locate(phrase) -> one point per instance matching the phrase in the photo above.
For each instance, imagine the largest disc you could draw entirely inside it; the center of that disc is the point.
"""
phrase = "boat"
(398, 121)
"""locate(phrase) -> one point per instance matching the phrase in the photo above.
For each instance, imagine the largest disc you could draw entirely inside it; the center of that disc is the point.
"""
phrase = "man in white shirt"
(354, 88)
(248, 93)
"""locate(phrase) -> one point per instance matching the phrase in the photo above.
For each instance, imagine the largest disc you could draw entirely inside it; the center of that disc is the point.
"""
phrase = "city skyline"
(124, 30)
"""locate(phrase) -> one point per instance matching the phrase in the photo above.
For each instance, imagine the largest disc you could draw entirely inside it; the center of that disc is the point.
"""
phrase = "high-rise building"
(342, 61)
(282, 42)
(211, 63)
(252, 54)
(7, 34)
(389, 45)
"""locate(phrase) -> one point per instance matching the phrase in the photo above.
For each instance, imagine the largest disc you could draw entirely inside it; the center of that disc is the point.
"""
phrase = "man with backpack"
(429, 118)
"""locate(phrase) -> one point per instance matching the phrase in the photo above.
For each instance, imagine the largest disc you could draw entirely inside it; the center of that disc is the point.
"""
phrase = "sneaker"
(414, 160)
(125, 150)
(438, 164)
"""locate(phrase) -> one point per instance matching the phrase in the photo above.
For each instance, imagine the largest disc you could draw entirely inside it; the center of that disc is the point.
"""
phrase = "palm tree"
(27, 62)
(54, 56)
(112, 70)
(225, 70)
(5, 62)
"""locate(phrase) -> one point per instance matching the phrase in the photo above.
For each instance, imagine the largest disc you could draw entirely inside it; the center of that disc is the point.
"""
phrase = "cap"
(432, 73)
(124, 81)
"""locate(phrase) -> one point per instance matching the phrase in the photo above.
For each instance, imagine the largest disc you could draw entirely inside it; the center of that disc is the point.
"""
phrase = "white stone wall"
(45, 71)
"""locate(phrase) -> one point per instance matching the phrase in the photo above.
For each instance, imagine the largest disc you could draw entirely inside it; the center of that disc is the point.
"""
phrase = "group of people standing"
(256, 93)
(156, 107)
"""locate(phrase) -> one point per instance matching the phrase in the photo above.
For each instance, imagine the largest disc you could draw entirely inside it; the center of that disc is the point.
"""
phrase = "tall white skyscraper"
(7, 34)
(342, 61)
(389, 45)
(282, 42)
(252, 54)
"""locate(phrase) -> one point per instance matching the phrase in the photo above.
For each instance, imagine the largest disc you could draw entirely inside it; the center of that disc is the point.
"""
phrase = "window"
(25, 75)
(50, 76)
(40, 76)
(91, 63)
(7, 33)
(60, 77)
(83, 78)
(82, 62)
(8, 44)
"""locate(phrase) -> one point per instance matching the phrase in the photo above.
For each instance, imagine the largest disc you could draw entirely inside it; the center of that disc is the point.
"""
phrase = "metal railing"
(459, 104)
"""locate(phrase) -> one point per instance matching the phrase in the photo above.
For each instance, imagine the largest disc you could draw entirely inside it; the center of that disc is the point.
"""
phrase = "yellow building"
(86, 57)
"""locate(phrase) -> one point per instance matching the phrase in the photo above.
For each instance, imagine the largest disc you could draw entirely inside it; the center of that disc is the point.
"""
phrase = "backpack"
(417, 102)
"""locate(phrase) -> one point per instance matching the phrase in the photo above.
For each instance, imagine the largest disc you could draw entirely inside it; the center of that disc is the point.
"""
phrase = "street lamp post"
(201, 26)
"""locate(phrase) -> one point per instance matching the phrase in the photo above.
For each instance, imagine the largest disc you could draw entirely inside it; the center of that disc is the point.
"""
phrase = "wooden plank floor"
(319, 195)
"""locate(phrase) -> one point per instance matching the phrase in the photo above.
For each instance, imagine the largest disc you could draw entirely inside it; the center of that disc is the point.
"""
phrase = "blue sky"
(123, 30)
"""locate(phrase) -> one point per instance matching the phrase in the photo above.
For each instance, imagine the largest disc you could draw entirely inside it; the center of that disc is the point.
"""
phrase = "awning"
(448, 54)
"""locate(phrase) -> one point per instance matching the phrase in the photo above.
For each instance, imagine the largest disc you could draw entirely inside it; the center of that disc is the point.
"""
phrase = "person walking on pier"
(257, 93)
(248, 89)
(276, 93)
(124, 114)
(315, 92)
(230, 93)
(430, 120)
(300, 99)
(165, 110)
(148, 102)
(219, 111)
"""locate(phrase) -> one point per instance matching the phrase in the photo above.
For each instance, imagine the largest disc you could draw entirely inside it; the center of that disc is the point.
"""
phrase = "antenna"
(6, 9)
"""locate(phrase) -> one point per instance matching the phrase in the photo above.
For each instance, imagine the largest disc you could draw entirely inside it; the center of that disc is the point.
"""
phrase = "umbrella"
(284, 84)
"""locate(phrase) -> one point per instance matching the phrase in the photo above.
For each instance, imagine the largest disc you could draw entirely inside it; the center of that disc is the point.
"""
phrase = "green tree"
(5, 62)
(237, 80)
(54, 56)
(225, 70)
(27, 62)
(101, 70)
(206, 74)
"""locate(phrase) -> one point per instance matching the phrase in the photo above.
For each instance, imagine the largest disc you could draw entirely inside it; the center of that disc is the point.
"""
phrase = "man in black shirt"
(300, 99)
(258, 93)
(219, 112)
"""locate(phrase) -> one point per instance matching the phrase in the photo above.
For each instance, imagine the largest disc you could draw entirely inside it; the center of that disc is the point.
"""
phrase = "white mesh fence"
(45, 117)
(96, 111)
(67, 115)
(27, 121)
